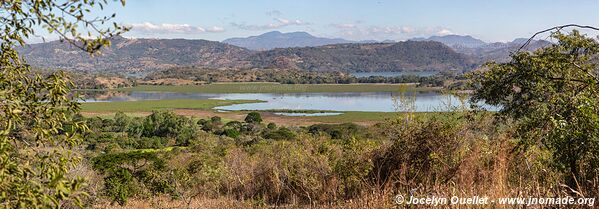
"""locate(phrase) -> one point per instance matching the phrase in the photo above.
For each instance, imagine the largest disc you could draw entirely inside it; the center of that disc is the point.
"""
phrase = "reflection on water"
(348, 101)
(307, 114)
(424, 101)
(114, 96)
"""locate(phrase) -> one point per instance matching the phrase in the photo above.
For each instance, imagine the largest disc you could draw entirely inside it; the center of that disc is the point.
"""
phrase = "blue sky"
(489, 20)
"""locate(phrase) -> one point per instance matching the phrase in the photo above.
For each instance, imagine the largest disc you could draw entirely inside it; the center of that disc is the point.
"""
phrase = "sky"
(489, 20)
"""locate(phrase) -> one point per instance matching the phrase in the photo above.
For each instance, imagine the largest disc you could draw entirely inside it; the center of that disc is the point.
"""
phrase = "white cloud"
(274, 13)
(168, 28)
(278, 23)
(444, 32)
(364, 32)
(344, 25)
(215, 29)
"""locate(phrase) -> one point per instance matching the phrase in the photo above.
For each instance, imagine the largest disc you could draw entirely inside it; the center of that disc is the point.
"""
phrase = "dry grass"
(443, 157)
(164, 202)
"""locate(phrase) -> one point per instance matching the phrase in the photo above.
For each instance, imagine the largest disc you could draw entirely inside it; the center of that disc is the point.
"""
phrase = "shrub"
(216, 119)
(552, 95)
(119, 185)
(271, 126)
(231, 133)
(336, 131)
(281, 134)
(253, 117)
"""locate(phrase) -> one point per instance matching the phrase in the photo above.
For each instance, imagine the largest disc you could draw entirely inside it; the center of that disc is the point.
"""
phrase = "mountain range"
(481, 51)
(276, 39)
(455, 41)
(275, 50)
(137, 55)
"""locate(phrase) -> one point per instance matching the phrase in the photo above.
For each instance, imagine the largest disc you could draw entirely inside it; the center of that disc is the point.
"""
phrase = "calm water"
(300, 114)
(426, 101)
(393, 74)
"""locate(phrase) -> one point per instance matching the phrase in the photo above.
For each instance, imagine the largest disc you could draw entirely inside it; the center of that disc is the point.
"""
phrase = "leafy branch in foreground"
(20, 20)
(38, 130)
(552, 94)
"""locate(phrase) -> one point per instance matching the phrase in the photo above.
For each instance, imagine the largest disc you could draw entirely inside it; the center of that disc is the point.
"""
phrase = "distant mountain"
(519, 41)
(408, 55)
(277, 39)
(132, 55)
(482, 52)
(500, 51)
(455, 41)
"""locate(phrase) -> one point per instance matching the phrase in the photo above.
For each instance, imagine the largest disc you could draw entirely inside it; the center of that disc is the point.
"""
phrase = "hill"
(481, 51)
(136, 55)
(455, 41)
(141, 56)
(408, 55)
(276, 39)
(500, 51)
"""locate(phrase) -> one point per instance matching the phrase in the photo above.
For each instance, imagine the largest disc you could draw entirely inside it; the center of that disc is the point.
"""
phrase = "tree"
(121, 121)
(552, 94)
(253, 117)
(37, 125)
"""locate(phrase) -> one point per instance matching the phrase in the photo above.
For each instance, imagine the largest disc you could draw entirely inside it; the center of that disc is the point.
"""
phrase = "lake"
(394, 74)
(424, 101)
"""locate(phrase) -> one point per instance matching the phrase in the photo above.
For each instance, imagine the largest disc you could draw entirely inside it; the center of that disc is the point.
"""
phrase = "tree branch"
(558, 28)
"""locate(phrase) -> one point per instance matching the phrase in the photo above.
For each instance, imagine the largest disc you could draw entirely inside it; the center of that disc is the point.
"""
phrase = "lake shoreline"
(278, 88)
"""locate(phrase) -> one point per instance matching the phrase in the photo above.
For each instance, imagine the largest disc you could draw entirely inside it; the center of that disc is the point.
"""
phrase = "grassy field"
(357, 117)
(277, 88)
(354, 117)
(149, 105)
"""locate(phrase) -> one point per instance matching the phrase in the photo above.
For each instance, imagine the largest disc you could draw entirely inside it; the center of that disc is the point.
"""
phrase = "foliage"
(285, 76)
(422, 151)
(119, 185)
(353, 166)
(164, 124)
(439, 153)
(233, 133)
(122, 169)
(253, 117)
(407, 55)
(336, 131)
(20, 20)
(271, 126)
(38, 131)
(552, 94)
(282, 133)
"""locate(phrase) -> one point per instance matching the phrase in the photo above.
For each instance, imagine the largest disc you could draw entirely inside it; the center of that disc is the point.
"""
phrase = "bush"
(336, 131)
(281, 134)
(271, 126)
(253, 117)
(216, 119)
(231, 133)
(119, 186)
